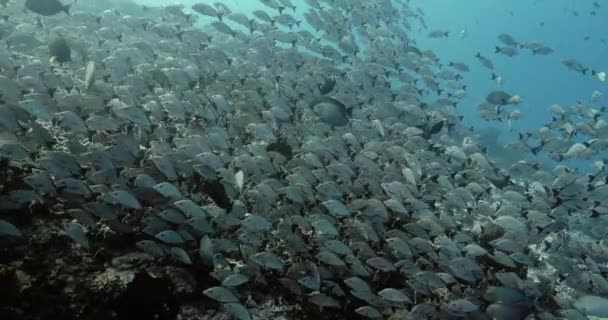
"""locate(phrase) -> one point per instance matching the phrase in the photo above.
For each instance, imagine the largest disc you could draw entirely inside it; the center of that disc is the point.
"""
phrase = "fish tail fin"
(179, 35)
(584, 71)
(66, 8)
(497, 49)
(494, 76)
(478, 55)
(536, 149)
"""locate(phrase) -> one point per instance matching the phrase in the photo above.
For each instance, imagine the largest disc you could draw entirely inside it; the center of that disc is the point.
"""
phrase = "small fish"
(463, 33)
(60, 50)
(538, 48)
(89, 77)
(498, 97)
(288, 4)
(438, 34)
(223, 28)
(206, 10)
(264, 16)
(513, 116)
(508, 51)
(287, 20)
(47, 7)
(332, 111)
(507, 40)
(485, 61)
(499, 80)
(327, 86)
(574, 65)
(240, 179)
(273, 5)
(378, 126)
(462, 67)
(579, 150)
(542, 51)
(601, 75)
(516, 100)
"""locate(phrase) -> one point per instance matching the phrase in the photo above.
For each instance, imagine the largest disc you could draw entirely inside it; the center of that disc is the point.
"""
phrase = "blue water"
(540, 80)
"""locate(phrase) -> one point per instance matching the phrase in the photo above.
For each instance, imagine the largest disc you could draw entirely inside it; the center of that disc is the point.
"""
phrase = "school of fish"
(320, 164)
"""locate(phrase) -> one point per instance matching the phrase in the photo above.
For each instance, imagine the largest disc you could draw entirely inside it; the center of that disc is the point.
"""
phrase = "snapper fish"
(59, 50)
(499, 80)
(508, 40)
(574, 65)
(331, 111)
(485, 61)
(47, 7)
(435, 34)
(89, 78)
(498, 97)
(599, 75)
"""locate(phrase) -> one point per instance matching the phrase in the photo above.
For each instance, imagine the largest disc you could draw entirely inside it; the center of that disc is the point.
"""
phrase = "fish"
(498, 97)
(223, 28)
(206, 10)
(542, 51)
(331, 111)
(272, 4)
(599, 75)
(485, 61)
(327, 86)
(537, 48)
(89, 78)
(509, 51)
(459, 66)
(574, 65)
(328, 159)
(498, 79)
(438, 34)
(508, 40)
(463, 33)
(47, 7)
(288, 4)
(60, 50)
(577, 150)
